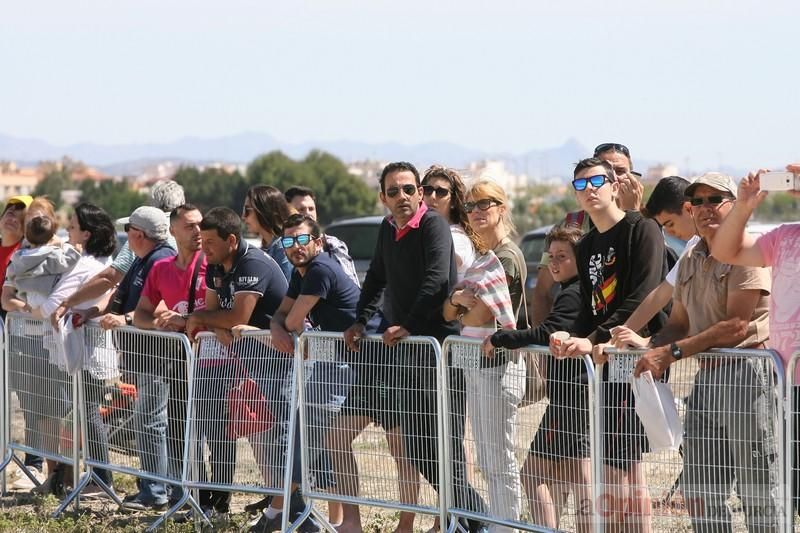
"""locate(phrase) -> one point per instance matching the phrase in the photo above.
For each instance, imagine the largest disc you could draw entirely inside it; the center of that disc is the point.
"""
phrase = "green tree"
(212, 187)
(54, 181)
(339, 194)
(539, 206)
(117, 198)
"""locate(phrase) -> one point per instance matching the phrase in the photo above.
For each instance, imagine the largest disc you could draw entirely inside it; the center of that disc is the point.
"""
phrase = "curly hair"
(458, 195)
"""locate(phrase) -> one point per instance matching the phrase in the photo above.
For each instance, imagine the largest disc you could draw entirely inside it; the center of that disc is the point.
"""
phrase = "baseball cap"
(152, 221)
(715, 180)
(21, 199)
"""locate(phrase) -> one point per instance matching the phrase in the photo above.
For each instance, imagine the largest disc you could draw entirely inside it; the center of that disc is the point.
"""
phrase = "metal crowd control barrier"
(728, 471)
(388, 429)
(792, 447)
(34, 371)
(248, 451)
(551, 439)
(150, 441)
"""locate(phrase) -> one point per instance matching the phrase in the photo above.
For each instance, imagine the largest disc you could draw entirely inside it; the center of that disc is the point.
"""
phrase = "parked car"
(360, 234)
(532, 246)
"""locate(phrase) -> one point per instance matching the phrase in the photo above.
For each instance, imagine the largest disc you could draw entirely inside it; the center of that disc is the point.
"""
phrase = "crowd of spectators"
(445, 263)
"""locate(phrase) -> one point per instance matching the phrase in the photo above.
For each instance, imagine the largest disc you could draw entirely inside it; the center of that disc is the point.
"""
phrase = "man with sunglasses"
(414, 261)
(147, 229)
(319, 291)
(619, 262)
(717, 305)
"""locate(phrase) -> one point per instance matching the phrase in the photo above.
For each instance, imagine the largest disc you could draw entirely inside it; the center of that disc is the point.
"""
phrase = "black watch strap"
(128, 319)
(676, 351)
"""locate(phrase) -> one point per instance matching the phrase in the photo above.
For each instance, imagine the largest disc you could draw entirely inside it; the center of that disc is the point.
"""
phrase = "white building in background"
(661, 170)
(15, 181)
(497, 172)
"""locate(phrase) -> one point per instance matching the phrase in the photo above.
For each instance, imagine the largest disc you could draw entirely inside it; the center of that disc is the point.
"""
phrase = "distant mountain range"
(132, 159)
(244, 147)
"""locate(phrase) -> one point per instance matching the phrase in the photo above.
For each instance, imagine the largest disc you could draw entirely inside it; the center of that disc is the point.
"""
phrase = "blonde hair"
(43, 205)
(486, 188)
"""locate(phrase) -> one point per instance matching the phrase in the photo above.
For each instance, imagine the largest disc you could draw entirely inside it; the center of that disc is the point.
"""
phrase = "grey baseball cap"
(152, 221)
(715, 180)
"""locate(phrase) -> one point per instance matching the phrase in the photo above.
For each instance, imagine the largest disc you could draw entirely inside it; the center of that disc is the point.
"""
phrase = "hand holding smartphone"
(780, 181)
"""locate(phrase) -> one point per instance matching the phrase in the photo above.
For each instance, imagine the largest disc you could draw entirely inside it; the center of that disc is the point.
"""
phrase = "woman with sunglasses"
(496, 388)
(444, 192)
(265, 208)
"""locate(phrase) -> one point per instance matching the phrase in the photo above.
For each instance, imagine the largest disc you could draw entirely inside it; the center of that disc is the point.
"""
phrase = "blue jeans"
(150, 421)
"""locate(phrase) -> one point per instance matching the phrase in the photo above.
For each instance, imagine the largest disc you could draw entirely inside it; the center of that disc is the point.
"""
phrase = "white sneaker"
(24, 482)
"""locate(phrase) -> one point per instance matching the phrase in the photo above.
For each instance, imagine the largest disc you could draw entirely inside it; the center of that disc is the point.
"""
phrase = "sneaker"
(23, 482)
(138, 502)
(92, 491)
(54, 484)
(267, 525)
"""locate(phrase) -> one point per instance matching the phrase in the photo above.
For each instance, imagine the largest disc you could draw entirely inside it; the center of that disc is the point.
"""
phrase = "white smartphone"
(779, 181)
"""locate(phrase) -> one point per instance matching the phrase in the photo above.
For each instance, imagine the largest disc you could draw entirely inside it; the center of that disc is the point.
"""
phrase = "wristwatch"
(128, 320)
(676, 351)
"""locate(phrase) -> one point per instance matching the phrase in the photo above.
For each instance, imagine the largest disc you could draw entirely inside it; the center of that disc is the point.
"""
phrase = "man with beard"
(319, 291)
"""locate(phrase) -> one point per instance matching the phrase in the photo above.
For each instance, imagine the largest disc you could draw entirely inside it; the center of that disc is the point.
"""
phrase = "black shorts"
(374, 393)
(564, 430)
(624, 439)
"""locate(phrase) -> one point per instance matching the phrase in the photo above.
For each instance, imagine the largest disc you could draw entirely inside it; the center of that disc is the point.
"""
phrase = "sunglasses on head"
(408, 190)
(302, 240)
(440, 192)
(616, 147)
(715, 199)
(483, 205)
(580, 184)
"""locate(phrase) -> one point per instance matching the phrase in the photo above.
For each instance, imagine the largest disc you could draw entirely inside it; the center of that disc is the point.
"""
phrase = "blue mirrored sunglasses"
(302, 240)
(580, 184)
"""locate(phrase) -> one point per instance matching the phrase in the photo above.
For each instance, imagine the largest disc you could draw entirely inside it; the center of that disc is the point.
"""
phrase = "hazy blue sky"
(712, 81)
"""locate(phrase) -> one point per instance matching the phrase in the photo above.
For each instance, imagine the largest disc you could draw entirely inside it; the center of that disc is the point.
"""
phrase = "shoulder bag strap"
(193, 285)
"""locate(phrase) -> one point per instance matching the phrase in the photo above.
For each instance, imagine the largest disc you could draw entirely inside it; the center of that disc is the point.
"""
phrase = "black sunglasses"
(408, 190)
(605, 147)
(290, 240)
(580, 184)
(127, 227)
(440, 192)
(715, 199)
(483, 205)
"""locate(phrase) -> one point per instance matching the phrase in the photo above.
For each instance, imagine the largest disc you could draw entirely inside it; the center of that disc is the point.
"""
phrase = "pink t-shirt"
(780, 249)
(169, 283)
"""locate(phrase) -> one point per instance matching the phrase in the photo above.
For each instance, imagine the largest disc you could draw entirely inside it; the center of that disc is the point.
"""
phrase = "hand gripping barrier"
(148, 439)
(728, 471)
(550, 441)
(370, 422)
(45, 393)
(242, 417)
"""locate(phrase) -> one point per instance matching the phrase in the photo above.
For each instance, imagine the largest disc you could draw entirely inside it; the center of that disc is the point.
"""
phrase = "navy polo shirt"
(130, 288)
(252, 271)
(338, 295)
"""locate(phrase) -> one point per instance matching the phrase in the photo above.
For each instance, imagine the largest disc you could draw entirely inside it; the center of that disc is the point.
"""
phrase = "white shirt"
(672, 276)
(465, 251)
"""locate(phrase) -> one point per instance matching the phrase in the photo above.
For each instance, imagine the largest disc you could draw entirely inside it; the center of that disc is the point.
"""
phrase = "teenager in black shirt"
(619, 262)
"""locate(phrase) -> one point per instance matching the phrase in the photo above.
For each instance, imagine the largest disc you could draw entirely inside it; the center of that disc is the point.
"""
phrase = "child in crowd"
(35, 269)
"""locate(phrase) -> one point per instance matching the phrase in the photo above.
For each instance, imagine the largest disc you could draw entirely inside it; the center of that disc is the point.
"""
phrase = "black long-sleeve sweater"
(418, 272)
(559, 373)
